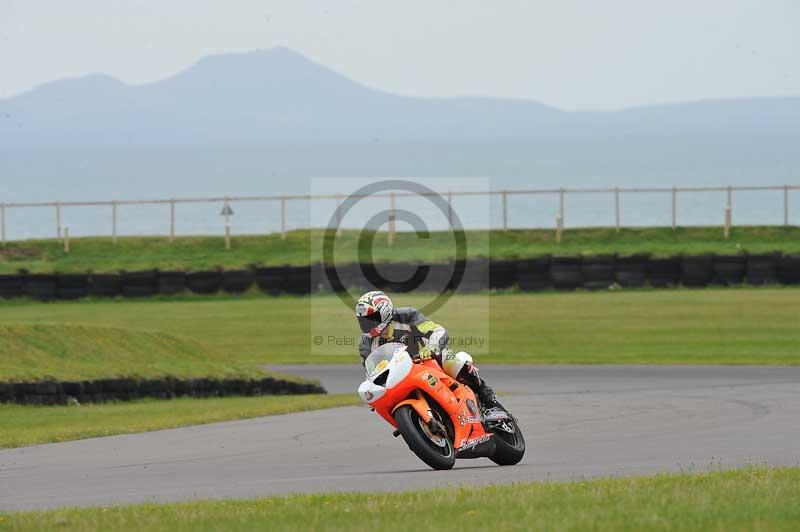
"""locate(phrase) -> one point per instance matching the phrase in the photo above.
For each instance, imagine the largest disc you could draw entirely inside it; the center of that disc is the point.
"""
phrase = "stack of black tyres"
(271, 280)
(139, 284)
(105, 285)
(762, 269)
(565, 273)
(502, 274)
(788, 271)
(205, 282)
(664, 272)
(476, 276)
(298, 280)
(41, 286)
(11, 286)
(440, 277)
(729, 270)
(72, 286)
(171, 282)
(238, 281)
(697, 271)
(533, 275)
(631, 271)
(598, 271)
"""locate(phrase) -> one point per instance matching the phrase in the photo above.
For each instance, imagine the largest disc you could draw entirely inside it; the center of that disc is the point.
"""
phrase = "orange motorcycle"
(439, 418)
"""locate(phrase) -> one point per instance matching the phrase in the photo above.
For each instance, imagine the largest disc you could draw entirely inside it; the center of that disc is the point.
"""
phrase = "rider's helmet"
(374, 312)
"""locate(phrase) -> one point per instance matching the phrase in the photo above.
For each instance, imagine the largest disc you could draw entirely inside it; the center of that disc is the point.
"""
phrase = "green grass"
(69, 351)
(711, 326)
(28, 425)
(302, 247)
(746, 499)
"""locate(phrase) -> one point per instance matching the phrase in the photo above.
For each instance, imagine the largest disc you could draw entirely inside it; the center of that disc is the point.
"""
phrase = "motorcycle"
(439, 418)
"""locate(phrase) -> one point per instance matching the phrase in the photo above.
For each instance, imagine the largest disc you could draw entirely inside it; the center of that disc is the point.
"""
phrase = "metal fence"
(282, 202)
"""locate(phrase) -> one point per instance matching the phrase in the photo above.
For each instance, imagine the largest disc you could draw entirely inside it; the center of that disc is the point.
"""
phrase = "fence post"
(785, 204)
(616, 207)
(561, 206)
(730, 199)
(674, 208)
(338, 213)
(559, 228)
(58, 221)
(114, 222)
(3, 224)
(450, 208)
(66, 240)
(505, 210)
(727, 231)
(283, 218)
(391, 218)
(172, 220)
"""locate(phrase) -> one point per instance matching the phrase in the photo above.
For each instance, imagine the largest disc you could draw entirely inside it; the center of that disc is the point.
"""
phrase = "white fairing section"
(370, 392)
(399, 368)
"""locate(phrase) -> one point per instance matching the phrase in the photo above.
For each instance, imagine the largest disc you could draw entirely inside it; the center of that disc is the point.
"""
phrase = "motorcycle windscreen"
(378, 360)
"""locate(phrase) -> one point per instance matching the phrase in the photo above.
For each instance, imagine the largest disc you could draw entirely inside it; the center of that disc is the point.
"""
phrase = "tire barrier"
(631, 272)
(729, 270)
(664, 273)
(529, 275)
(565, 272)
(598, 271)
(50, 392)
(11, 286)
(208, 282)
(502, 274)
(298, 280)
(271, 280)
(697, 271)
(43, 287)
(476, 276)
(237, 281)
(105, 285)
(170, 283)
(761, 269)
(139, 284)
(533, 275)
(72, 286)
(788, 271)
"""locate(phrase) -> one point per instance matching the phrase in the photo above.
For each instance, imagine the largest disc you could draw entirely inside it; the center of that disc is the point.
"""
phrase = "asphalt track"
(579, 421)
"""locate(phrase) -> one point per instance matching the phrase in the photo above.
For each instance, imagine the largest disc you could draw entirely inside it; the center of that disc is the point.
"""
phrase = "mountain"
(279, 96)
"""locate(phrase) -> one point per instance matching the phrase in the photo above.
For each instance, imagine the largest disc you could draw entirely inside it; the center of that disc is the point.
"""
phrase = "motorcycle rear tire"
(408, 422)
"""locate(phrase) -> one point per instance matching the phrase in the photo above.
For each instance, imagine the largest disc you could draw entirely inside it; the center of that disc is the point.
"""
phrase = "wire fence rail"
(559, 223)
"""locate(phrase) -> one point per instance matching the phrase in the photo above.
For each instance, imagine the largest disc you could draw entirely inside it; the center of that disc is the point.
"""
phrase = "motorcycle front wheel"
(436, 450)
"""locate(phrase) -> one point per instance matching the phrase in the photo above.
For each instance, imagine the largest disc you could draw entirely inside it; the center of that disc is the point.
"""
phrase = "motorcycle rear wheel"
(436, 452)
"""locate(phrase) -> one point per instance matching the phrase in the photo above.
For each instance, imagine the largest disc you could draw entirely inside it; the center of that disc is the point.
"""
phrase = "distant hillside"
(279, 96)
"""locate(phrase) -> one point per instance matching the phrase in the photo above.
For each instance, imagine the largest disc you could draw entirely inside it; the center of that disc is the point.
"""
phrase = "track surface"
(579, 421)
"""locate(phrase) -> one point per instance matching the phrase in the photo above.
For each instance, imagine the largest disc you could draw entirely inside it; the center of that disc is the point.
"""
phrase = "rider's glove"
(426, 352)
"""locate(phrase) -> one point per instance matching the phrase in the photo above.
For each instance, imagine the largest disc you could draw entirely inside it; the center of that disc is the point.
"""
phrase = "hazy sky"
(571, 54)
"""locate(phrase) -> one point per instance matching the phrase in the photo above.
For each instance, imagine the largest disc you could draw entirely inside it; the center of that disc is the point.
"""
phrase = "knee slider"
(453, 363)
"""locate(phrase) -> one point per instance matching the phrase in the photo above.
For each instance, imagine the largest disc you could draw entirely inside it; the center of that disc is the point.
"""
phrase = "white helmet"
(374, 311)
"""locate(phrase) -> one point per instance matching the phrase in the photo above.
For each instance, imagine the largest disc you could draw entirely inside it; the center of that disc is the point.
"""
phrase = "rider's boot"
(469, 376)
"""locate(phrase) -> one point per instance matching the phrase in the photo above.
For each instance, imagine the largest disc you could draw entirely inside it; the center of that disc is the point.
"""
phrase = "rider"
(380, 323)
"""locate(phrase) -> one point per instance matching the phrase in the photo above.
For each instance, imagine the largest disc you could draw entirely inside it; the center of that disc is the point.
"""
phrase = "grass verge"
(711, 326)
(83, 352)
(30, 425)
(746, 499)
(302, 246)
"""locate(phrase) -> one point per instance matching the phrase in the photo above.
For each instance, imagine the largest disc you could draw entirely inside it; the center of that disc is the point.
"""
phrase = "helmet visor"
(367, 323)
